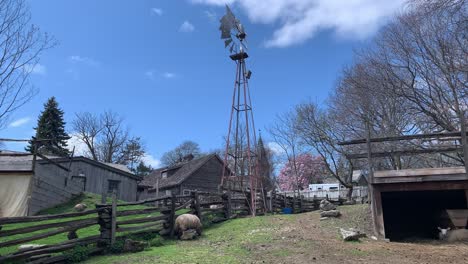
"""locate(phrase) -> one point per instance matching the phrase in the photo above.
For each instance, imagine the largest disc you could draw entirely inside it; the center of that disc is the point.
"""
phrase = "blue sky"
(162, 66)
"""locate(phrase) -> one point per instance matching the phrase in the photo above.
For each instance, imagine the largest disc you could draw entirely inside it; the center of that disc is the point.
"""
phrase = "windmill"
(241, 144)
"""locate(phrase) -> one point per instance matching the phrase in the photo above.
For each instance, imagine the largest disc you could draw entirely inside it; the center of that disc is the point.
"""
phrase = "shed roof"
(14, 161)
(182, 172)
(420, 175)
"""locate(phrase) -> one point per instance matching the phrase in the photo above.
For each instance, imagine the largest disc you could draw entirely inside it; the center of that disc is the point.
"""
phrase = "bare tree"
(181, 152)
(21, 45)
(113, 138)
(87, 128)
(106, 137)
(285, 134)
(320, 132)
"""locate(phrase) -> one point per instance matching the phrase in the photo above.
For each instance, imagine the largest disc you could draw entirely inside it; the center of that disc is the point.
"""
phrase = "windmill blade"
(227, 42)
(228, 22)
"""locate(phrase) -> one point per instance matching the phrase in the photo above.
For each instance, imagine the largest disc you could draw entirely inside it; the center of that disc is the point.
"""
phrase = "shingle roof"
(182, 172)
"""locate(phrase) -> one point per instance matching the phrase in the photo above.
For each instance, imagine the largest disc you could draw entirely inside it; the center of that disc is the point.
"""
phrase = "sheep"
(449, 235)
(185, 222)
(80, 207)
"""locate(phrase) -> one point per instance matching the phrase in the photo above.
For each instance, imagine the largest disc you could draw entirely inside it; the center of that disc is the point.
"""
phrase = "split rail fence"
(111, 222)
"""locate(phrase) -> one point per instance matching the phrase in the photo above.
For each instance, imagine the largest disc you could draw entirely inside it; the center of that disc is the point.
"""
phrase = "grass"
(227, 242)
(87, 198)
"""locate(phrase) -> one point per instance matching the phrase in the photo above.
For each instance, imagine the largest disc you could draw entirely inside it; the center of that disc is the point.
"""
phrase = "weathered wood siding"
(97, 180)
(207, 178)
(53, 185)
(48, 188)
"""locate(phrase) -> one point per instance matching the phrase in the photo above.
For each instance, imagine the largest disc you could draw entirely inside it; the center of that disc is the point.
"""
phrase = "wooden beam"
(25, 219)
(424, 186)
(53, 162)
(407, 152)
(403, 137)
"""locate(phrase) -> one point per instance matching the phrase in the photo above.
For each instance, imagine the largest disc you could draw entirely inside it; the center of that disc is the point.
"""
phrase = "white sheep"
(185, 222)
(449, 235)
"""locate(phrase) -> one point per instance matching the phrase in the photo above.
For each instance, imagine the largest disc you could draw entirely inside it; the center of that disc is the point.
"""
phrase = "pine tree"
(51, 126)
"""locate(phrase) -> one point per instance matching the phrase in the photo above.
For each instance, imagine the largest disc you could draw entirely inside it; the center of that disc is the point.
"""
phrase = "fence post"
(113, 217)
(196, 205)
(172, 215)
(105, 224)
(301, 206)
(227, 204)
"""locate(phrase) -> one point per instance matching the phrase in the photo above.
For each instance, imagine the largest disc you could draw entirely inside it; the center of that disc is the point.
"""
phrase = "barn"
(28, 185)
(202, 174)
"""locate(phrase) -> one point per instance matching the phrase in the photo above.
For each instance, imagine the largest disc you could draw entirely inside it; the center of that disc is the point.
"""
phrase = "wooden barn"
(202, 174)
(28, 186)
(409, 203)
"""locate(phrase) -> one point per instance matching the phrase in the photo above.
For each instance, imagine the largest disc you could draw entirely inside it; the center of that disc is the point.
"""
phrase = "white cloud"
(84, 60)
(153, 74)
(80, 147)
(211, 15)
(300, 20)
(37, 68)
(187, 27)
(150, 160)
(20, 122)
(156, 11)
(277, 149)
(169, 75)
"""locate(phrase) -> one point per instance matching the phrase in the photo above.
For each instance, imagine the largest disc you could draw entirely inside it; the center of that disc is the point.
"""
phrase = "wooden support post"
(301, 205)
(294, 210)
(173, 215)
(285, 200)
(196, 205)
(104, 197)
(227, 204)
(113, 217)
(104, 225)
(272, 194)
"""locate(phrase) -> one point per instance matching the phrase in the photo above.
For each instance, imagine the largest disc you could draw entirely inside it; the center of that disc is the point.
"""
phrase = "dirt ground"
(307, 239)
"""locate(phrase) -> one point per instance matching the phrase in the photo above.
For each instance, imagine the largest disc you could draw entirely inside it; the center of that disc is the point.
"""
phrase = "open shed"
(412, 203)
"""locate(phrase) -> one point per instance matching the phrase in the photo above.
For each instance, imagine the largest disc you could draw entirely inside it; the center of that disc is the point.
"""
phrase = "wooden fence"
(115, 221)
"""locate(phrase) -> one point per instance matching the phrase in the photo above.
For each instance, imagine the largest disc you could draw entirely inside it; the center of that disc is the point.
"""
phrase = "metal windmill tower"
(241, 144)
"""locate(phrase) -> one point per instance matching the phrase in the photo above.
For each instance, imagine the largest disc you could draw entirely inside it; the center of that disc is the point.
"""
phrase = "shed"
(413, 202)
(26, 189)
(359, 178)
(202, 174)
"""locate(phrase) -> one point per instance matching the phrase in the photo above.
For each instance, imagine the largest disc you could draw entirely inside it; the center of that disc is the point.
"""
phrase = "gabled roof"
(180, 172)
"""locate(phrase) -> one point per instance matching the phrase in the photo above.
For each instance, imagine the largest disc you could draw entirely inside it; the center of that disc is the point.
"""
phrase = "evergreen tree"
(51, 126)
(142, 169)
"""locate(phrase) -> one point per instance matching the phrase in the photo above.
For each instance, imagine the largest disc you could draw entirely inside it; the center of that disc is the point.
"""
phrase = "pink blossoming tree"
(309, 170)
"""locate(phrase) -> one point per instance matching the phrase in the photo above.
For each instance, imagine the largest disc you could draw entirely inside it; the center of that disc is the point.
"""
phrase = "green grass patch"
(227, 242)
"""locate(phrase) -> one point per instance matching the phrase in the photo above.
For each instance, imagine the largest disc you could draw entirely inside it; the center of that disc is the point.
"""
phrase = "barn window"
(168, 192)
(164, 175)
(186, 192)
(80, 181)
(113, 185)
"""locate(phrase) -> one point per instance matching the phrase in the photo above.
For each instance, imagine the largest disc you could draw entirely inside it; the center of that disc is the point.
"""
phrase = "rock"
(323, 218)
(80, 207)
(351, 234)
(325, 205)
(133, 246)
(351, 202)
(29, 247)
(332, 213)
(189, 234)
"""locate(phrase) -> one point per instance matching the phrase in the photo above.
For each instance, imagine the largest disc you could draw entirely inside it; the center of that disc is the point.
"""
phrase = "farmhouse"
(202, 174)
(27, 187)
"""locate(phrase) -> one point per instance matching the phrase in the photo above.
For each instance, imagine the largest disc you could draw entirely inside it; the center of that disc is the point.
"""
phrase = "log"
(139, 211)
(26, 219)
(142, 220)
(50, 249)
(47, 234)
(30, 229)
(140, 227)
